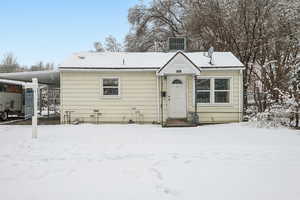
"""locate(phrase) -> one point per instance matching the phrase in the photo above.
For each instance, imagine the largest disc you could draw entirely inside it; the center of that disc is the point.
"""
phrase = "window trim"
(102, 87)
(210, 85)
(212, 91)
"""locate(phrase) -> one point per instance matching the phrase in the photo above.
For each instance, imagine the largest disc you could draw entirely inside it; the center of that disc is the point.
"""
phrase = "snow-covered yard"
(139, 162)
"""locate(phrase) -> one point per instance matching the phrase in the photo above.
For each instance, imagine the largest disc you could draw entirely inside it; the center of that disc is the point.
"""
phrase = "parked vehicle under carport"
(15, 99)
(11, 100)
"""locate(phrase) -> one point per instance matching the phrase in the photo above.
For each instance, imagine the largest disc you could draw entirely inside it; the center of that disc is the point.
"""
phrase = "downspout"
(161, 102)
(61, 107)
(241, 95)
(195, 102)
(158, 98)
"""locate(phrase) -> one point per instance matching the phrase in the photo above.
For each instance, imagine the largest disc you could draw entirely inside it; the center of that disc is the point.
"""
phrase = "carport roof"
(44, 77)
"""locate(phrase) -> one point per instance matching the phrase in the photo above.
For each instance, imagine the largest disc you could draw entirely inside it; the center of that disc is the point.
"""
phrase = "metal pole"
(48, 102)
(35, 107)
(41, 103)
(195, 93)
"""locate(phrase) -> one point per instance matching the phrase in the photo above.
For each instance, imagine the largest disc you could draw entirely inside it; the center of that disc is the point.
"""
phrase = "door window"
(177, 81)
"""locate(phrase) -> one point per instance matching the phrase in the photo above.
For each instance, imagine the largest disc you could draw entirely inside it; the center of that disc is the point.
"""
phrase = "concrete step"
(178, 123)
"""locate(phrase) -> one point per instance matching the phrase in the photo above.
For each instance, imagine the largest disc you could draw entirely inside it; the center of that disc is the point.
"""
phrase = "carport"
(49, 82)
(46, 82)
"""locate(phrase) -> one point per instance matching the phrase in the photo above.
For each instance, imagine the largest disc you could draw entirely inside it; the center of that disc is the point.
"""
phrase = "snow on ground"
(137, 162)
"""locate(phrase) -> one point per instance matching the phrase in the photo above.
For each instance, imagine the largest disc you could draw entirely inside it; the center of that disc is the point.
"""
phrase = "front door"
(177, 97)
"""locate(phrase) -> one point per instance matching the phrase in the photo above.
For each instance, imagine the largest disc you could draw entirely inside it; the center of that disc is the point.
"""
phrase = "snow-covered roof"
(145, 60)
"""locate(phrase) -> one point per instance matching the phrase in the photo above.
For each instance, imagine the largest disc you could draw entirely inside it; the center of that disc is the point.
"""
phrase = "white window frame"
(210, 85)
(222, 91)
(102, 87)
(212, 91)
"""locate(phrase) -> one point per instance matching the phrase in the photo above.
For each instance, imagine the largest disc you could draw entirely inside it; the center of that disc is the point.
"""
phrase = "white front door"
(176, 96)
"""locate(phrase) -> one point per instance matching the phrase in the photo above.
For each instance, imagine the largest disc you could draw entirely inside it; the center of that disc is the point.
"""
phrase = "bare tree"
(155, 23)
(278, 55)
(40, 66)
(112, 45)
(256, 31)
(98, 47)
(9, 64)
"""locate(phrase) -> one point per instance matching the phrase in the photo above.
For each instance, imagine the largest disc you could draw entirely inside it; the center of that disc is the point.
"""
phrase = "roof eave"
(106, 69)
(222, 68)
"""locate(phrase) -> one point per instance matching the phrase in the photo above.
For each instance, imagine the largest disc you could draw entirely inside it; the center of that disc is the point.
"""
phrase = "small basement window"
(110, 87)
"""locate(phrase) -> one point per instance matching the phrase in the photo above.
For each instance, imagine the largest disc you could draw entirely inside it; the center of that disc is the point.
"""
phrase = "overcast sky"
(49, 31)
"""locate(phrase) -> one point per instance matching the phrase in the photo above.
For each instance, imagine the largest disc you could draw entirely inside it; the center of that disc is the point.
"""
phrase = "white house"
(175, 88)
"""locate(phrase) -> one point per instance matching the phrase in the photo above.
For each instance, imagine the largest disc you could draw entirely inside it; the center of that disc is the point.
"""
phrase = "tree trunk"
(297, 117)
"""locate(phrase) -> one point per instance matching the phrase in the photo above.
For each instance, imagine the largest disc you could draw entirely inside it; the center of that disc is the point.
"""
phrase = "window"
(212, 90)
(176, 43)
(177, 81)
(110, 87)
(1, 88)
(222, 90)
(203, 90)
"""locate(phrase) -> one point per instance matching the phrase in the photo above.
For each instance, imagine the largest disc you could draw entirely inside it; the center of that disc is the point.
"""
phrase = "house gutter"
(221, 68)
(108, 69)
(91, 69)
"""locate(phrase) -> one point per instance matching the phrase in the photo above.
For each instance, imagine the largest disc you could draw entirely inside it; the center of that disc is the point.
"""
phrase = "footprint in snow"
(167, 190)
(159, 162)
(119, 147)
(187, 161)
(157, 173)
(174, 155)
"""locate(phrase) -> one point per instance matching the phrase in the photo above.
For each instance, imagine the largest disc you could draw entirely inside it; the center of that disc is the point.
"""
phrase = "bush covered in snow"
(281, 107)
(276, 88)
(274, 118)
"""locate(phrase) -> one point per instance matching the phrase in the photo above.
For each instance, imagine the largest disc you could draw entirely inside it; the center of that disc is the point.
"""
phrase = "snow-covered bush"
(275, 117)
(282, 110)
(279, 89)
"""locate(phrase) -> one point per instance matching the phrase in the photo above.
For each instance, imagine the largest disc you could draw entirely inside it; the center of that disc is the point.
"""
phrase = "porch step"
(178, 123)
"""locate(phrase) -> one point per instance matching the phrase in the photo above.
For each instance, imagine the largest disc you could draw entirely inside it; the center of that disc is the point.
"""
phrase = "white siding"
(219, 113)
(80, 93)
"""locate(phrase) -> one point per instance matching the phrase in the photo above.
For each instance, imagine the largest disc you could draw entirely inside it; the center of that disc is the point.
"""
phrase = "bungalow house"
(152, 87)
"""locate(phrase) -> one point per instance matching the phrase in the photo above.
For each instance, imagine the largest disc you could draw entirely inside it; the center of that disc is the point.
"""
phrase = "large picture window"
(212, 90)
(110, 87)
